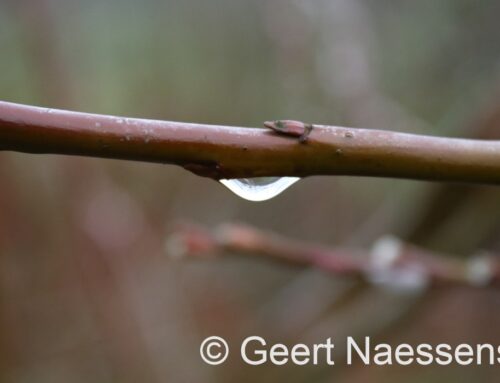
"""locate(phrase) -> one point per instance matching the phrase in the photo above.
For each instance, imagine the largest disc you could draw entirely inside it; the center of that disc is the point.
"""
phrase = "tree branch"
(389, 261)
(235, 152)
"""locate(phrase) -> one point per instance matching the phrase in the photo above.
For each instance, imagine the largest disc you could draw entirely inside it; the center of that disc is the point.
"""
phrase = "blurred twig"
(42, 41)
(390, 261)
(444, 202)
(233, 152)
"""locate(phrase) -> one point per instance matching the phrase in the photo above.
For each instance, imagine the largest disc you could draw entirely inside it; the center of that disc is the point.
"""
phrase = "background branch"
(234, 152)
(390, 261)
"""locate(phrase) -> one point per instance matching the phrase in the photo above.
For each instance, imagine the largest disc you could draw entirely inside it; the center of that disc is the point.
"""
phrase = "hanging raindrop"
(259, 188)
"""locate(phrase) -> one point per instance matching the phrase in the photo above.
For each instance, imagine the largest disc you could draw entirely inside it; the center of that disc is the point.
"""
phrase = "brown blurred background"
(87, 291)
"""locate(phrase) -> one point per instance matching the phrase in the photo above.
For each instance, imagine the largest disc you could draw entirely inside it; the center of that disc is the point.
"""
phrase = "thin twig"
(389, 261)
(235, 152)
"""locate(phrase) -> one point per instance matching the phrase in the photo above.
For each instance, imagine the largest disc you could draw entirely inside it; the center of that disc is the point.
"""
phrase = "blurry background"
(87, 291)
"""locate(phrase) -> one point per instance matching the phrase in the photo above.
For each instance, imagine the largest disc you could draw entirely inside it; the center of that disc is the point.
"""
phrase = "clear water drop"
(259, 188)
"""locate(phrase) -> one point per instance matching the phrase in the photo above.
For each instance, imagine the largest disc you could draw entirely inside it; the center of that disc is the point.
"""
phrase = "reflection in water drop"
(259, 188)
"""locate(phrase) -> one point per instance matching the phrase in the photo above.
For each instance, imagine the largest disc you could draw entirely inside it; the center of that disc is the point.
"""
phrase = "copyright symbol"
(214, 350)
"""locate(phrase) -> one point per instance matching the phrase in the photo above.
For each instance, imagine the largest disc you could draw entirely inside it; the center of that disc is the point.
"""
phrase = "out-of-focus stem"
(194, 241)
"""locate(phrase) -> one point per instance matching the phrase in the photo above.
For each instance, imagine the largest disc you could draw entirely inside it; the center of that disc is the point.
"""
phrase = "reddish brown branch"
(233, 152)
(388, 259)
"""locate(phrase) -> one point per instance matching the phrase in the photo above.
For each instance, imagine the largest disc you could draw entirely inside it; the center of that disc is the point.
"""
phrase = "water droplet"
(259, 188)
